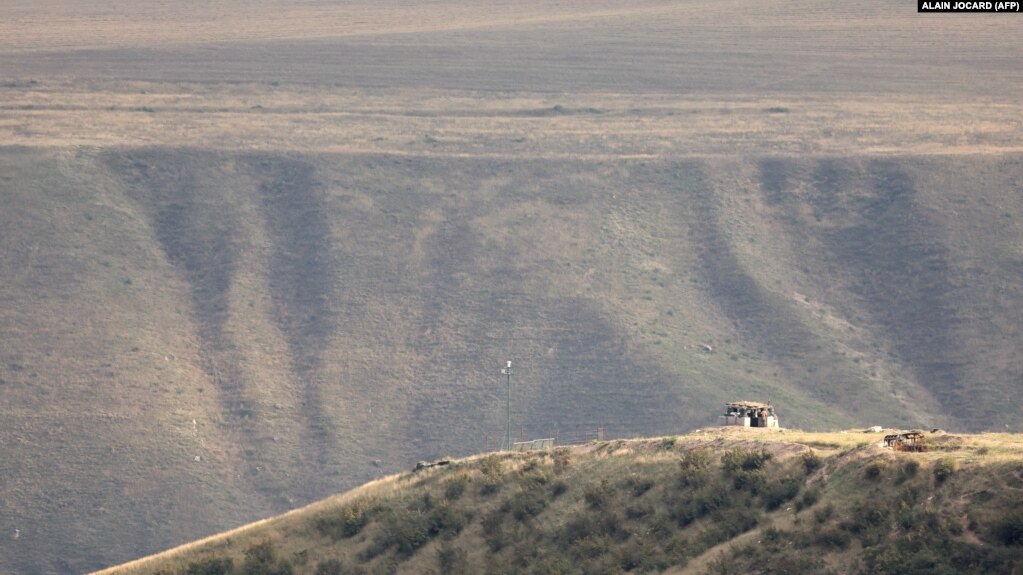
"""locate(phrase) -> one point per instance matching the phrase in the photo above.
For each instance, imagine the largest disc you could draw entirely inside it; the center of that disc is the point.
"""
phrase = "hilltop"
(712, 501)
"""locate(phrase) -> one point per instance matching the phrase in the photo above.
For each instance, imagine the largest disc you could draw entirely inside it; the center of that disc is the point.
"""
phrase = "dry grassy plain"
(296, 239)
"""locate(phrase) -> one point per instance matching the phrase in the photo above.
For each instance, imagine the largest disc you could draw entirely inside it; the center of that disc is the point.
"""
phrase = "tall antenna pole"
(507, 370)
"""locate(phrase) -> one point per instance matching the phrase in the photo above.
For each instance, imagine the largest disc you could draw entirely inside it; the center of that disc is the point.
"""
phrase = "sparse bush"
(745, 460)
(685, 510)
(908, 470)
(808, 499)
(638, 485)
(455, 486)
(604, 524)
(534, 478)
(693, 468)
(345, 523)
(749, 480)
(493, 472)
(872, 512)
(562, 460)
(591, 546)
(494, 533)
(639, 511)
(832, 538)
(1008, 530)
(668, 443)
(636, 555)
(728, 523)
(945, 468)
(446, 520)
(410, 528)
(409, 531)
(598, 496)
(525, 504)
(824, 513)
(330, 567)
(558, 488)
(261, 559)
(210, 566)
(874, 469)
(811, 461)
(491, 466)
(780, 492)
(453, 560)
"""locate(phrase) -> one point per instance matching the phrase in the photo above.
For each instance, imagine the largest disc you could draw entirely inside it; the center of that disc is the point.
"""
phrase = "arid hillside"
(713, 501)
(257, 253)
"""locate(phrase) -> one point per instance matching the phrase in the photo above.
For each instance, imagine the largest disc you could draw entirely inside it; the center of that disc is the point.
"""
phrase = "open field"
(255, 253)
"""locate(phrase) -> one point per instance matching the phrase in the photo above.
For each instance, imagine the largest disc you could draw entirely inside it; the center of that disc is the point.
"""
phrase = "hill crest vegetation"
(709, 502)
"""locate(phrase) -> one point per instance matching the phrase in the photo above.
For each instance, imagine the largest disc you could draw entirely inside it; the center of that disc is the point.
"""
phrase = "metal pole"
(507, 370)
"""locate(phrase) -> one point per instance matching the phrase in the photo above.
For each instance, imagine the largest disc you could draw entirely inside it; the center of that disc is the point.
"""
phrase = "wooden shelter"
(906, 441)
(749, 414)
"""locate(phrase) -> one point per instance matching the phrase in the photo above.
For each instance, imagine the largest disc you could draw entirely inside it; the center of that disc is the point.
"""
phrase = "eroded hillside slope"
(260, 330)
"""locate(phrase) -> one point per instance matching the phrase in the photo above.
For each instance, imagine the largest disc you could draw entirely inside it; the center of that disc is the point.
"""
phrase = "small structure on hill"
(534, 445)
(749, 414)
(906, 441)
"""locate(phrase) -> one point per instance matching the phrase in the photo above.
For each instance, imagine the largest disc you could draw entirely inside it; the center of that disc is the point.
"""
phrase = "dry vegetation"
(256, 253)
(709, 502)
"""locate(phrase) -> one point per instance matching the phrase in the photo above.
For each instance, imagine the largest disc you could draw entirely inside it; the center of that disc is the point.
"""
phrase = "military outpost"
(749, 414)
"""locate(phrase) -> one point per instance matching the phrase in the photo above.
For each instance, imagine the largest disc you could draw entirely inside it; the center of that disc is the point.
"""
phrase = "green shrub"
(944, 469)
(410, 528)
(872, 512)
(749, 480)
(261, 559)
(493, 530)
(591, 546)
(811, 461)
(558, 488)
(824, 513)
(832, 538)
(668, 443)
(562, 460)
(695, 459)
(453, 560)
(491, 466)
(639, 511)
(908, 470)
(808, 499)
(700, 503)
(493, 472)
(1008, 530)
(636, 555)
(345, 523)
(780, 492)
(534, 478)
(330, 567)
(446, 520)
(455, 486)
(525, 504)
(210, 566)
(874, 469)
(693, 468)
(409, 532)
(745, 459)
(599, 496)
(728, 523)
(638, 485)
